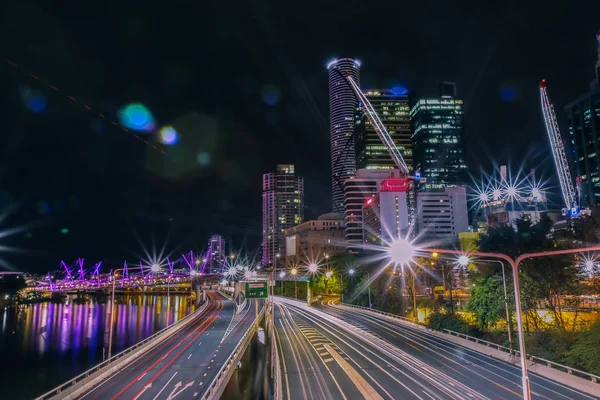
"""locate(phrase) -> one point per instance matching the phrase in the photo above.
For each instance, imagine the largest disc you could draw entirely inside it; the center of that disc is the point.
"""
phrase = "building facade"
(215, 257)
(283, 208)
(342, 106)
(385, 215)
(393, 109)
(442, 214)
(315, 240)
(438, 140)
(357, 190)
(584, 130)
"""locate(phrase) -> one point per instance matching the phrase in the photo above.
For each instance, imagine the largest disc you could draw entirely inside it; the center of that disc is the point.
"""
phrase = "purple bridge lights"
(79, 278)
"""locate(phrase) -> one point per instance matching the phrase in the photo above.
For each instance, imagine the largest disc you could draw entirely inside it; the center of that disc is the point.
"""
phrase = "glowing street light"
(281, 274)
(294, 271)
(328, 274)
(435, 254)
(401, 251)
(351, 271)
(197, 261)
(463, 260)
(313, 268)
(155, 268)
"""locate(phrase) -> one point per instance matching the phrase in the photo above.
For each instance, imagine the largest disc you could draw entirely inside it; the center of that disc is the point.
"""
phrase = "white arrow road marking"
(148, 386)
(163, 388)
(173, 395)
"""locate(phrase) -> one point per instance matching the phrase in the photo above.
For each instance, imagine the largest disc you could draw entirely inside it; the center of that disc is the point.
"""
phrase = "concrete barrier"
(91, 378)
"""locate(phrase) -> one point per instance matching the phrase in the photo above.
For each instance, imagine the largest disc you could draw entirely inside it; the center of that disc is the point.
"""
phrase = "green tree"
(585, 353)
(487, 301)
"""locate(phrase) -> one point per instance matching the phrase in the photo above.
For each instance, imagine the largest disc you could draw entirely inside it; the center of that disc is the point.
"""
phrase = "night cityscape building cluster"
(371, 196)
(374, 202)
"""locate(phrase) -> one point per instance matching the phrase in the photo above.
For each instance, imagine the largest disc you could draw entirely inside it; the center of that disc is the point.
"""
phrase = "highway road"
(328, 355)
(182, 366)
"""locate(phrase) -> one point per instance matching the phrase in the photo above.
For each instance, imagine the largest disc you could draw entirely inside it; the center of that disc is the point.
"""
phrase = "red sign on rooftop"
(393, 185)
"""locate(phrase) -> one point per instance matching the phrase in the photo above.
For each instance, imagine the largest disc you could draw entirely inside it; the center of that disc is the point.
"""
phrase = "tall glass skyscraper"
(215, 255)
(438, 140)
(393, 109)
(342, 106)
(283, 208)
(584, 130)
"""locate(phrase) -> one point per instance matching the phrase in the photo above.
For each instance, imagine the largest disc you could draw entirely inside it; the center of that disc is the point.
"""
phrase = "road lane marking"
(148, 386)
(141, 376)
(190, 356)
(163, 388)
(328, 359)
(361, 383)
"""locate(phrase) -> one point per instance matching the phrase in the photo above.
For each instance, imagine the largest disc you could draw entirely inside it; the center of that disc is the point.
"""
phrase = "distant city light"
(401, 251)
(463, 260)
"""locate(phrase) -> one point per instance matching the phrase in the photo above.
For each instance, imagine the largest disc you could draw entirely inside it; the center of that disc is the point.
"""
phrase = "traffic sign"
(256, 290)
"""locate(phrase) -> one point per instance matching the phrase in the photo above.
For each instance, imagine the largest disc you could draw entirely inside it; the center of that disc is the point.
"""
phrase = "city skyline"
(70, 201)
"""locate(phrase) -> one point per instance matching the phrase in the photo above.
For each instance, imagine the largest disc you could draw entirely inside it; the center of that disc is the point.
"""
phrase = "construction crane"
(558, 153)
(382, 132)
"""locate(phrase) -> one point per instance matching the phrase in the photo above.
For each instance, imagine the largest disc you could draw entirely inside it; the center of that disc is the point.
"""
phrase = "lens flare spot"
(42, 207)
(168, 135)
(64, 231)
(32, 99)
(137, 117)
(270, 95)
(508, 94)
(203, 158)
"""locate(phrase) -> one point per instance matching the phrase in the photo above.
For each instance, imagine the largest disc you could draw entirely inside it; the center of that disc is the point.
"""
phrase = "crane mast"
(558, 151)
(382, 132)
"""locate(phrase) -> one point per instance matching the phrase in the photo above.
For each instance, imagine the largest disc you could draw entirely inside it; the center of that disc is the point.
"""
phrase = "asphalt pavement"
(357, 356)
(184, 365)
(487, 376)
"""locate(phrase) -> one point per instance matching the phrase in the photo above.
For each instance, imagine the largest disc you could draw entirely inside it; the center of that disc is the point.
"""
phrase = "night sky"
(245, 84)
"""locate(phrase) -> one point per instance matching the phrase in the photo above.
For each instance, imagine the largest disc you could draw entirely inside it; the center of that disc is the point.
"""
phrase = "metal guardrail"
(216, 386)
(277, 385)
(57, 390)
(533, 359)
(382, 313)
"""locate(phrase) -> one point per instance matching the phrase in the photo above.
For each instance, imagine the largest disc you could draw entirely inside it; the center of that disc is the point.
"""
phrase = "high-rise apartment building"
(357, 190)
(393, 109)
(215, 257)
(283, 208)
(342, 106)
(385, 215)
(438, 140)
(442, 214)
(584, 130)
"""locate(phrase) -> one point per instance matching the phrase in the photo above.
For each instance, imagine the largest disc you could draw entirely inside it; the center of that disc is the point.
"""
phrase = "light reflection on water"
(50, 343)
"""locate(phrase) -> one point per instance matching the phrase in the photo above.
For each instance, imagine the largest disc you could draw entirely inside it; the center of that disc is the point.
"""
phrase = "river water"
(43, 345)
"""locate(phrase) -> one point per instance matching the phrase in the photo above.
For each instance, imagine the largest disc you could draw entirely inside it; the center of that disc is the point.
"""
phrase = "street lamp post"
(112, 307)
(508, 320)
(294, 272)
(515, 269)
